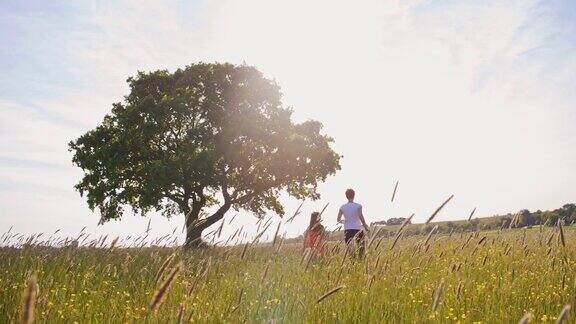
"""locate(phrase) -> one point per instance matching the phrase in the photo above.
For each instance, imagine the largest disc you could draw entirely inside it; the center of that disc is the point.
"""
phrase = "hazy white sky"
(471, 98)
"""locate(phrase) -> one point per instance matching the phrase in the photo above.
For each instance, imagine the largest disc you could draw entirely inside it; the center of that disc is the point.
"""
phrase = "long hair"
(315, 222)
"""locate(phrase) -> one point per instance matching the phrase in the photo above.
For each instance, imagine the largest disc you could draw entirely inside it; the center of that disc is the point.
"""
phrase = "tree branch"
(178, 200)
(216, 216)
(247, 197)
(225, 193)
(256, 192)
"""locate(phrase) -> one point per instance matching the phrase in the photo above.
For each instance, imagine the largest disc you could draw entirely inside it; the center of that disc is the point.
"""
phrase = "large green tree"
(198, 142)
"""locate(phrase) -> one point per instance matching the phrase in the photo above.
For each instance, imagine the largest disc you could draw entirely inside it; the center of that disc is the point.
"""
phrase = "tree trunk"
(193, 237)
(194, 228)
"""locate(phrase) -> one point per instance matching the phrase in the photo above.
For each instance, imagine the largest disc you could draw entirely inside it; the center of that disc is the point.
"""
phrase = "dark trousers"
(350, 234)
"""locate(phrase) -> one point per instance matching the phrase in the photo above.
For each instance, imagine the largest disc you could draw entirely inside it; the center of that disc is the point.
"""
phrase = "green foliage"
(209, 134)
(396, 221)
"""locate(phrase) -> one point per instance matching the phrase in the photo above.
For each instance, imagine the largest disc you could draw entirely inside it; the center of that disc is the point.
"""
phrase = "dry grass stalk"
(181, 311)
(329, 293)
(527, 318)
(219, 231)
(265, 274)
(163, 267)
(396, 240)
(113, 244)
(563, 317)
(201, 274)
(164, 288)
(29, 301)
(193, 285)
(231, 309)
(475, 249)
(466, 243)
(342, 264)
(371, 280)
(240, 294)
(394, 192)
(430, 234)
(562, 239)
(295, 214)
(472, 214)
(260, 234)
(438, 296)
(237, 232)
(502, 227)
(406, 222)
(304, 255)
(323, 209)
(310, 257)
(459, 290)
(514, 220)
(373, 238)
(148, 227)
(438, 209)
(481, 240)
(280, 244)
(549, 240)
(378, 244)
(259, 223)
(276, 234)
(268, 222)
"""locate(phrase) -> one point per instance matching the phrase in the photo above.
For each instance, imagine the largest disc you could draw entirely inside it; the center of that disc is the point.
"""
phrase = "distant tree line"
(523, 218)
(391, 221)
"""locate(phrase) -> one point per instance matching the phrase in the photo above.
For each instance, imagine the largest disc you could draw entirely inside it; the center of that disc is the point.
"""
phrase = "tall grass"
(507, 276)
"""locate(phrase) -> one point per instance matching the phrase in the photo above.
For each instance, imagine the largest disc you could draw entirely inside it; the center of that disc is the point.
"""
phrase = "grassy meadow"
(488, 277)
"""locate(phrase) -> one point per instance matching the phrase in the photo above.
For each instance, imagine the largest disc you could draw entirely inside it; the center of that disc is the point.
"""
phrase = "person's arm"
(361, 216)
(339, 218)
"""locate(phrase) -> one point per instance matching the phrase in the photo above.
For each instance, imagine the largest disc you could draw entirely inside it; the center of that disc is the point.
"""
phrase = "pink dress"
(313, 239)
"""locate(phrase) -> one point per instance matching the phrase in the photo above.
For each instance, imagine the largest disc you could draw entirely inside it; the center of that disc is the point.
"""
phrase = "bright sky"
(471, 98)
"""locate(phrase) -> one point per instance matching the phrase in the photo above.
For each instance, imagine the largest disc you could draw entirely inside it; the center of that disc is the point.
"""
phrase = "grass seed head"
(329, 293)
(438, 296)
(163, 267)
(29, 301)
(527, 318)
(562, 239)
(438, 209)
(563, 317)
(164, 288)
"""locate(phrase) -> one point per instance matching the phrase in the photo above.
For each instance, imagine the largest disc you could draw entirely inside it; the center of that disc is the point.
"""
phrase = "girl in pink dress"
(314, 235)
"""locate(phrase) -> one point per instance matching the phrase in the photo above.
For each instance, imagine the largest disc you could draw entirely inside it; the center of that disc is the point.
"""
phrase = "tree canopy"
(208, 137)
